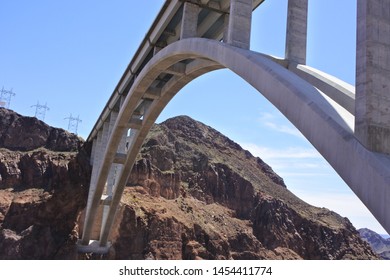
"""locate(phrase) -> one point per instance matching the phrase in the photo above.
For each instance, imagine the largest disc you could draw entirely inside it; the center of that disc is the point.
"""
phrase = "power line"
(40, 111)
(73, 123)
(5, 97)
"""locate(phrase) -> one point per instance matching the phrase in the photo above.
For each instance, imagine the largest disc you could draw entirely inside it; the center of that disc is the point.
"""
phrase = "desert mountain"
(192, 194)
(195, 194)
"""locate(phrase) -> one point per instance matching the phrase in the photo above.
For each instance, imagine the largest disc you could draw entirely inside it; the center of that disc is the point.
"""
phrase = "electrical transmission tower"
(40, 111)
(5, 97)
(73, 123)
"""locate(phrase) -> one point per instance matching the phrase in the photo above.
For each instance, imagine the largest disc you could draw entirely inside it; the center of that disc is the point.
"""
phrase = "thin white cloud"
(308, 165)
(286, 153)
(283, 129)
(291, 161)
(304, 174)
(272, 122)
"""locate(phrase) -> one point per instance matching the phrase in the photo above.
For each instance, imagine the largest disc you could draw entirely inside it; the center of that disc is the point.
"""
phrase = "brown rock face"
(41, 192)
(194, 194)
(19, 133)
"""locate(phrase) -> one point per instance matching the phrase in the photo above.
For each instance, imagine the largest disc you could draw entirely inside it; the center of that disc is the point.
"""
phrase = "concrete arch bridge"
(350, 128)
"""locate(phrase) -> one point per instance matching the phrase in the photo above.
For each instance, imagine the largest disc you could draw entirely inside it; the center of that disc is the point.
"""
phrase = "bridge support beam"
(100, 146)
(296, 34)
(189, 23)
(111, 174)
(114, 170)
(372, 109)
(238, 31)
(95, 161)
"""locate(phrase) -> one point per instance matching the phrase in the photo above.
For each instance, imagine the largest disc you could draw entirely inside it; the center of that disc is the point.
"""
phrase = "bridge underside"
(192, 37)
(327, 121)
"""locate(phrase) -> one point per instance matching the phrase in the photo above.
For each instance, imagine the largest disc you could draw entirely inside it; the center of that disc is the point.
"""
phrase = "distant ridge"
(378, 243)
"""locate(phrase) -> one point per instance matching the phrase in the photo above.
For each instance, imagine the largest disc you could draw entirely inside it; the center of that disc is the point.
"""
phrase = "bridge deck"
(166, 30)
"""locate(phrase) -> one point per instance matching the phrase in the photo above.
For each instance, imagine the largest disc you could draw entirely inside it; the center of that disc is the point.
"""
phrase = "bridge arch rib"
(327, 125)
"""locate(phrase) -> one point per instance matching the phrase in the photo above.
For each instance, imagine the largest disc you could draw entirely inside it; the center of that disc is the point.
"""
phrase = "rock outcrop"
(42, 191)
(20, 133)
(195, 194)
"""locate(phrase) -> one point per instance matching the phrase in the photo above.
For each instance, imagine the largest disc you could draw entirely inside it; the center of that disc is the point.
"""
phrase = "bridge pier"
(238, 31)
(114, 171)
(99, 146)
(296, 34)
(101, 211)
(115, 168)
(372, 110)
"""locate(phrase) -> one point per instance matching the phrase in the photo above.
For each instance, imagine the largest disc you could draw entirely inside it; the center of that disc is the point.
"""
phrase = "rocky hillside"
(19, 133)
(380, 245)
(44, 179)
(193, 194)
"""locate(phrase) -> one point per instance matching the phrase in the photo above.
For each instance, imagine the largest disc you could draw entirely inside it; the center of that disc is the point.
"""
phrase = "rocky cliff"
(379, 244)
(193, 194)
(44, 177)
(19, 133)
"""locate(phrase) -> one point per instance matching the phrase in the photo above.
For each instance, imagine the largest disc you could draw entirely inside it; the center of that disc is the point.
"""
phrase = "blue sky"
(71, 54)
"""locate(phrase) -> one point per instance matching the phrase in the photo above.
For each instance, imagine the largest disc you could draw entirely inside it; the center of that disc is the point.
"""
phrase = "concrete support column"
(102, 139)
(115, 171)
(95, 167)
(189, 23)
(93, 151)
(116, 167)
(131, 137)
(238, 32)
(112, 173)
(296, 35)
(372, 109)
